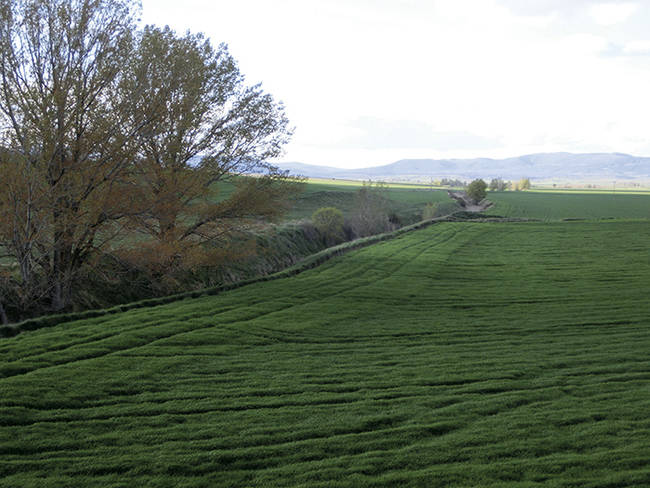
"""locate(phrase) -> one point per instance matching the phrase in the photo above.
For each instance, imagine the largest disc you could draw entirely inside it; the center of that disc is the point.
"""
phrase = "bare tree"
(370, 215)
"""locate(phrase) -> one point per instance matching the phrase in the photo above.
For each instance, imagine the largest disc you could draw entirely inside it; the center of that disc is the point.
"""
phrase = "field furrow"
(463, 354)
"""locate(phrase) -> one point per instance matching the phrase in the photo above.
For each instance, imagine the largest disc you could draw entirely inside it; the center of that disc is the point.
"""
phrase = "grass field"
(404, 200)
(358, 183)
(408, 201)
(575, 205)
(465, 354)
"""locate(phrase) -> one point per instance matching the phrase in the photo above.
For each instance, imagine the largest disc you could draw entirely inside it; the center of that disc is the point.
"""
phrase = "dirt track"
(467, 204)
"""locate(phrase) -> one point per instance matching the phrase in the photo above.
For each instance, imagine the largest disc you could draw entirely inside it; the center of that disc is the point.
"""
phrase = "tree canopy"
(476, 190)
(204, 126)
(106, 128)
(329, 221)
(498, 184)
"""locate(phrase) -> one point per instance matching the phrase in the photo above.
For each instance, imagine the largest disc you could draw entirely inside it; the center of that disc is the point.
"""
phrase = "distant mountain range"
(545, 166)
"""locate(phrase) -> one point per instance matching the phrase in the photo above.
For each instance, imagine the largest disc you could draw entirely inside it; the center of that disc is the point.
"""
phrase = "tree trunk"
(62, 271)
(3, 316)
(57, 262)
(64, 218)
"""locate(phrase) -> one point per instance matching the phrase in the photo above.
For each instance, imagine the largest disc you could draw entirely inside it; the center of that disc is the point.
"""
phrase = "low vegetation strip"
(305, 264)
(463, 354)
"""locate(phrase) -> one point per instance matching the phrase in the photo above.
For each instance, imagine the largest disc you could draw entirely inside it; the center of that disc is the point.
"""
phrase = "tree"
(430, 210)
(64, 148)
(476, 190)
(207, 128)
(497, 184)
(329, 221)
(453, 183)
(370, 214)
(524, 184)
(108, 129)
(4, 318)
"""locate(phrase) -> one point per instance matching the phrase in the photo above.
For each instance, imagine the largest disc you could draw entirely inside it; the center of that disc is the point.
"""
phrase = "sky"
(369, 82)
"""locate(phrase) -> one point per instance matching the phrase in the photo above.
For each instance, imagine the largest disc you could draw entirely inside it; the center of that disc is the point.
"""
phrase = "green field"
(570, 205)
(358, 183)
(464, 354)
(408, 201)
(404, 200)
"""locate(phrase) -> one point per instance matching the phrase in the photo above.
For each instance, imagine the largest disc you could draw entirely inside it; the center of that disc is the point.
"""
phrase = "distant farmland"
(543, 205)
(407, 201)
(464, 354)
(561, 205)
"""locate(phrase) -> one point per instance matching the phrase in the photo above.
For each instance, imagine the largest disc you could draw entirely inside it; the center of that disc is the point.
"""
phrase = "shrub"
(329, 222)
(476, 190)
(429, 211)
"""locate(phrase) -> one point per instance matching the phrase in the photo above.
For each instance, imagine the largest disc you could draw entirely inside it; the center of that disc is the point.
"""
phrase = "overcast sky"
(368, 82)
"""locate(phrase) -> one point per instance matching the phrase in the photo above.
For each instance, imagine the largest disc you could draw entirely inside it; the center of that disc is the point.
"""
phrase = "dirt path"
(467, 204)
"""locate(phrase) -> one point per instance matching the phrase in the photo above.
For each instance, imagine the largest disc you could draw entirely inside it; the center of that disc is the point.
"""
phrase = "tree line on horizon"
(496, 184)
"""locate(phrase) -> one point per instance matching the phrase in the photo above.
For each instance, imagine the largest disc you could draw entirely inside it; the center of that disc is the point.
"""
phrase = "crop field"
(576, 205)
(547, 205)
(357, 183)
(406, 201)
(463, 354)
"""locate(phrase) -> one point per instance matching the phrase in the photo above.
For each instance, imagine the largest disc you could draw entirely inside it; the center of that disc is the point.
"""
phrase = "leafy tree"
(207, 127)
(497, 184)
(429, 211)
(109, 130)
(453, 183)
(329, 221)
(476, 190)
(522, 184)
(65, 150)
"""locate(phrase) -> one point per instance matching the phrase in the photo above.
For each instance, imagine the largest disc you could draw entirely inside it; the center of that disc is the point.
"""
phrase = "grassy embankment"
(278, 246)
(290, 240)
(464, 354)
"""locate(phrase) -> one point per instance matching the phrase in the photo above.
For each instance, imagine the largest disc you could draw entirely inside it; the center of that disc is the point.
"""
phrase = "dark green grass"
(406, 203)
(464, 354)
(547, 206)
(557, 206)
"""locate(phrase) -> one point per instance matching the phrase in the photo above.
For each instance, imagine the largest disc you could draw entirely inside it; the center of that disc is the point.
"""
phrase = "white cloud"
(375, 133)
(637, 47)
(368, 82)
(612, 13)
